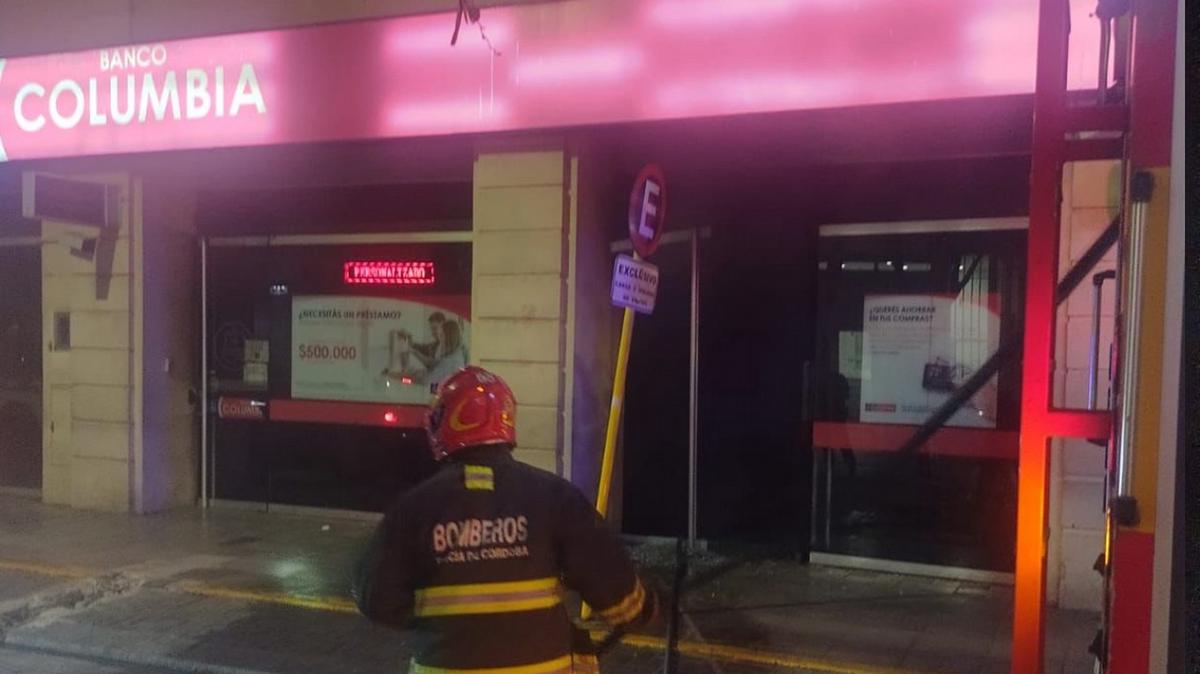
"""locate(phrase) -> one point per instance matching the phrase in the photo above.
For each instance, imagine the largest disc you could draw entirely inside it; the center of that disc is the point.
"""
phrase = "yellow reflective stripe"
(628, 608)
(489, 588)
(477, 608)
(476, 598)
(557, 666)
(479, 478)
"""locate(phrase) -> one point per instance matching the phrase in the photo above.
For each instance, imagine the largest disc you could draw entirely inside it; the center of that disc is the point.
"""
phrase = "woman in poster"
(451, 355)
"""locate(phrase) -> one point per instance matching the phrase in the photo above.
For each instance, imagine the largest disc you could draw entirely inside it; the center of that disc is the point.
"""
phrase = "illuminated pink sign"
(378, 272)
(567, 63)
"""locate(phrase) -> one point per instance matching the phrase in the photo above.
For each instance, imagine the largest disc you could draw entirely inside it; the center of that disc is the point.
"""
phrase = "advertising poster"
(374, 349)
(917, 349)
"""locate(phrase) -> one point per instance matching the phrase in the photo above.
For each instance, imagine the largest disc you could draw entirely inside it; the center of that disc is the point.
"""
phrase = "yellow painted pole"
(614, 415)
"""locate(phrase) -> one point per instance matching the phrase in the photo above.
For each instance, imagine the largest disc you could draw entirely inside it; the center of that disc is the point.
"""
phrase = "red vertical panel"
(1132, 595)
(1152, 87)
(1042, 276)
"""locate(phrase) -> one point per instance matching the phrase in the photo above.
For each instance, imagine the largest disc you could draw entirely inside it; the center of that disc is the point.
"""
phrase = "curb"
(120, 656)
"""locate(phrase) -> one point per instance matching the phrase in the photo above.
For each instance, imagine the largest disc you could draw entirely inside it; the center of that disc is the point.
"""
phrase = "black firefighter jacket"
(476, 560)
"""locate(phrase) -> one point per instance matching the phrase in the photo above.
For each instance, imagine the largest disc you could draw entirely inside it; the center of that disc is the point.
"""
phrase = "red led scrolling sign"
(389, 272)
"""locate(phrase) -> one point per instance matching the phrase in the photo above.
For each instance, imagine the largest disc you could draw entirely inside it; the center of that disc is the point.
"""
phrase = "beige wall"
(1091, 198)
(522, 227)
(88, 391)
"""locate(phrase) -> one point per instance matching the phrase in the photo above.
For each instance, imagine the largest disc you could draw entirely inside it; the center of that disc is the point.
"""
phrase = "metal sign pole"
(204, 439)
(693, 393)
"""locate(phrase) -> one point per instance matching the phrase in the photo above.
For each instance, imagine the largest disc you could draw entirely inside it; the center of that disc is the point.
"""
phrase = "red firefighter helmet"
(473, 407)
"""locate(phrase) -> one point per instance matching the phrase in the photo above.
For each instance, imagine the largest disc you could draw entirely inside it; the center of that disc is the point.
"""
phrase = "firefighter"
(477, 558)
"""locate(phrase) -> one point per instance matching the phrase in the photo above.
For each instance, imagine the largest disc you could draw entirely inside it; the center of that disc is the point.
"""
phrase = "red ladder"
(1056, 120)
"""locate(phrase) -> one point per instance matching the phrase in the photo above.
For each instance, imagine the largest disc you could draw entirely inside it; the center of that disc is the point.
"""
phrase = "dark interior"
(21, 366)
(947, 510)
(763, 200)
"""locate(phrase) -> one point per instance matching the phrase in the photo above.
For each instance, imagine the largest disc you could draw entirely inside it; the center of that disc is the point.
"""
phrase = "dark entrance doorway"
(21, 366)
(755, 336)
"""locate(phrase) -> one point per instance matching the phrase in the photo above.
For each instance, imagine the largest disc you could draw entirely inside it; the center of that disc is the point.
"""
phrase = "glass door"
(905, 320)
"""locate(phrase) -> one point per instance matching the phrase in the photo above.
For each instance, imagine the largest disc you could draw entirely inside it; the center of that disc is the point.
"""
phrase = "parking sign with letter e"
(647, 210)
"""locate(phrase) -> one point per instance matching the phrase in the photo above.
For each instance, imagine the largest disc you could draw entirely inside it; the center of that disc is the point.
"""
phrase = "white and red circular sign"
(648, 210)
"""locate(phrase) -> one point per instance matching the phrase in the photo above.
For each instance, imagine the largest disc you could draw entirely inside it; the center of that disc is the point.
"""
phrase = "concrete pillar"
(119, 429)
(597, 325)
(167, 476)
(523, 223)
(89, 391)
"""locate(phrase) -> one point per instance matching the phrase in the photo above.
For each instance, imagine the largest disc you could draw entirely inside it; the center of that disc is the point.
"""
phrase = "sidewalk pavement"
(242, 592)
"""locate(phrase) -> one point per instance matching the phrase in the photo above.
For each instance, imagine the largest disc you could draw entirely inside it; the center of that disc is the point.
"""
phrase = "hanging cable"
(468, 10)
